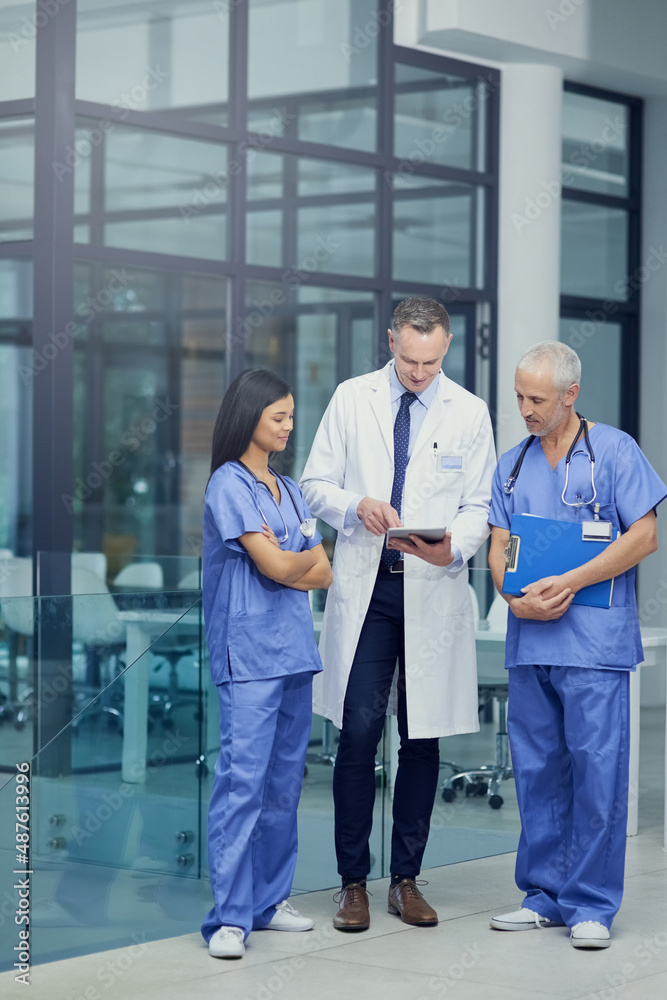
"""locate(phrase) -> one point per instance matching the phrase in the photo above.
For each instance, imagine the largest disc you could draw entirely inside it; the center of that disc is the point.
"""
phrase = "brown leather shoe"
(353, 914)
(407, 902)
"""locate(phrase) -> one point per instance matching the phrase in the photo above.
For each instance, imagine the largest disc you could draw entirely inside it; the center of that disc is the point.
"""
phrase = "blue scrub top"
(627, 489)
(255, 628)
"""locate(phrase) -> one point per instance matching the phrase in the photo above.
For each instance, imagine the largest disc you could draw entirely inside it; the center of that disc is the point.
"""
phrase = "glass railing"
(115, 794)
(108, 697)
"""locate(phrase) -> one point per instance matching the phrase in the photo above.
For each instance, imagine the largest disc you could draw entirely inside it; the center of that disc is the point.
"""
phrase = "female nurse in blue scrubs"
(261, 556)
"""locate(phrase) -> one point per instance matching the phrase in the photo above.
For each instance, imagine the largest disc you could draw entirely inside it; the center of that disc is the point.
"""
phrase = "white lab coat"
(352, 454)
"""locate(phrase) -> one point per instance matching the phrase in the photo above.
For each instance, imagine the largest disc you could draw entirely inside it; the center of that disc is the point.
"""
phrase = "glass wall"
(252, 184)
(601, 272)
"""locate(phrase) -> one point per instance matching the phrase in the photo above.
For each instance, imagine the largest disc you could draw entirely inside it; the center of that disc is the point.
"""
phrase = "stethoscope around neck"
(307, 527)
(583, 427)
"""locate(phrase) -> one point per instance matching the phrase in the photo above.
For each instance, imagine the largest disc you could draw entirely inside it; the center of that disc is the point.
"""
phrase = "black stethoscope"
(583, 426)
(307, 527)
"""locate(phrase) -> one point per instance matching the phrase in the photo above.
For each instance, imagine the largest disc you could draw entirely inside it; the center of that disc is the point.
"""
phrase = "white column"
(529, 226)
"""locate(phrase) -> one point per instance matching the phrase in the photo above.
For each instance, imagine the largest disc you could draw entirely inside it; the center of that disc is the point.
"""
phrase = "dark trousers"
(381, 643)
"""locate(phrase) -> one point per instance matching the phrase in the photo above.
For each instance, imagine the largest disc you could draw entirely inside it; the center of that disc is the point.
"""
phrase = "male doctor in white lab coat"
(401, 446)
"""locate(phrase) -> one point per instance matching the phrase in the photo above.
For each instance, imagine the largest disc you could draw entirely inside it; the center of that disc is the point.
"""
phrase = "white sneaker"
(227, 942)
(286, 918)
(590, 934)
(522, 920)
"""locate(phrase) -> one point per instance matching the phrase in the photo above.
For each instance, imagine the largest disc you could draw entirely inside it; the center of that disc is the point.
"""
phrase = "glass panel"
(18, 368)
(594, 254)
(438, 119)
(436, 232)
(150, 372)
(595, 144)
(317, 60)
(115, 796)
(15, 289)
(17, 178)
(599, 345)
(174, 56)
(17, 49)
(301, 340)
(162, 193)
(310, 214)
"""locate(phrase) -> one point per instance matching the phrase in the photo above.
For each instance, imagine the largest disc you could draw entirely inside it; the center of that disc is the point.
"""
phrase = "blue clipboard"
(544, 546)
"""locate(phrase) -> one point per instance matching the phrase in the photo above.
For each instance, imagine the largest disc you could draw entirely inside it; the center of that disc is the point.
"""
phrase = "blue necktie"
(401, 440)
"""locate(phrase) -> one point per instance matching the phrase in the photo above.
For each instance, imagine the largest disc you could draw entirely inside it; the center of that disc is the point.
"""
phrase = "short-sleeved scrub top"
(255, 628)
(627, 489)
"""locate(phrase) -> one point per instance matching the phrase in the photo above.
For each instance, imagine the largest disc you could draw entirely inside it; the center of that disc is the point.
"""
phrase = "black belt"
(395, 570)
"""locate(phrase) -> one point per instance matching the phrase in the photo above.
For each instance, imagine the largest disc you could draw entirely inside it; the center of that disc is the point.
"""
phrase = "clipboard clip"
(512, 553)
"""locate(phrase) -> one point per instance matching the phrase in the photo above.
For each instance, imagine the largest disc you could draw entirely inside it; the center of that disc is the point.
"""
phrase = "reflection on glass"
(598, 344)
(149, 379)
(174, 56)
(17, 176)
(301, 341)
(436, 232)
(318, 62)
(17, 49)
(595, 144)
(439, 119)
(594, 251)
(314, 215)
(162, 193)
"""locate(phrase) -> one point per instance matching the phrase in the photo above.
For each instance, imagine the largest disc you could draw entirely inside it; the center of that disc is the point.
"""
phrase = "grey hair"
(422, 314)
(562, 360)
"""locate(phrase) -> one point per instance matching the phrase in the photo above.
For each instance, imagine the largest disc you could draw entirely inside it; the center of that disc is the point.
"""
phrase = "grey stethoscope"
(583, 427)
(307, 527)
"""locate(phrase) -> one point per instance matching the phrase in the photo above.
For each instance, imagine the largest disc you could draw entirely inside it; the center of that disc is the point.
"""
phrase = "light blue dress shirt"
(418, 411)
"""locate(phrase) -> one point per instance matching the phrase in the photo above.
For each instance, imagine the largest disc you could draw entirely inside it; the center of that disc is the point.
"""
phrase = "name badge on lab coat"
(449, 463)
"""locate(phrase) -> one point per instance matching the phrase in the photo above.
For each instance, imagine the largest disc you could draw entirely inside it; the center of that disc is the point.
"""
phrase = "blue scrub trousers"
(381, 643)
(569, 731)
(252, 826)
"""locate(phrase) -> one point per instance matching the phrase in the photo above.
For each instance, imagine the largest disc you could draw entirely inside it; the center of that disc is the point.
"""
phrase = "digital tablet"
(426, 534)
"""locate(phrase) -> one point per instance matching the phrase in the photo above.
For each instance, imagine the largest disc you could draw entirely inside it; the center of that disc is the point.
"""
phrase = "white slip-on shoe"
(227, 942)
(590, 934)
(522, 920)
(286, 918)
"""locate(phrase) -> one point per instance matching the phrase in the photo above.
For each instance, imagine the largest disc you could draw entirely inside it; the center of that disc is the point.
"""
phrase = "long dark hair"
(240, 411)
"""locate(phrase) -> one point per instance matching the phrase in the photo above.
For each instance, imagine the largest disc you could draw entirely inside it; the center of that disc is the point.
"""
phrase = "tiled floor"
(461, 957)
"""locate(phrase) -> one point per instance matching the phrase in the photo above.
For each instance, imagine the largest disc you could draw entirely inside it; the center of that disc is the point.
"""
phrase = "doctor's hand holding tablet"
(433, 545)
